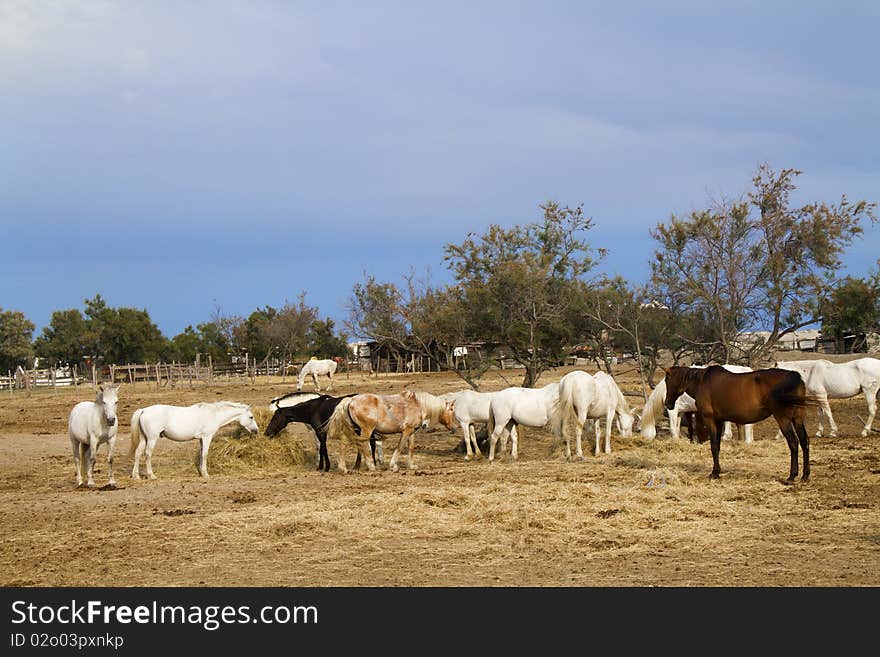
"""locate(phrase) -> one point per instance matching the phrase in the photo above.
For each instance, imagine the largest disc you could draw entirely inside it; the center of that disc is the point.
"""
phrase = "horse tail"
(340, 425)
(791, 391)
(653, 408)
(135, 432)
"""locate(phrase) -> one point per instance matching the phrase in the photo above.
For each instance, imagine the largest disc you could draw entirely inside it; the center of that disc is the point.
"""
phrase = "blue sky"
(178, 156)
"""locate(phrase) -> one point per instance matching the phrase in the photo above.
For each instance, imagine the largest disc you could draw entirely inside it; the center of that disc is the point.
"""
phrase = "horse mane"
(652, 408)
(431, 405)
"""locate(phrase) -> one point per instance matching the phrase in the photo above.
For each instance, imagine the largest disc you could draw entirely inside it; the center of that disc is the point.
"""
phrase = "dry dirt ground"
(644, 515)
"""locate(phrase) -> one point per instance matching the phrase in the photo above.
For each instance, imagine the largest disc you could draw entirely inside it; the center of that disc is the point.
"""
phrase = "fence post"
(11, 382)
(73, 373)
(94, 377)
(210, 370)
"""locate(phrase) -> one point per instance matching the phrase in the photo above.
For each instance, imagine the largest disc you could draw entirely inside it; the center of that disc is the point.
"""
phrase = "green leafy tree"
(15, 340)
(756, 263)
(324, 342)
(521, 284)
(852, 308)
(69, 338)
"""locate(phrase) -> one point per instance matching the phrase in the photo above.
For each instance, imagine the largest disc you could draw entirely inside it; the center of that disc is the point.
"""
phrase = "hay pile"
(236, 451)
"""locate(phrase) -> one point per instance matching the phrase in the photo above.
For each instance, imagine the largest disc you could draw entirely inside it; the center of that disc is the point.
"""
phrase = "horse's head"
(277, 423)
(108, 396)
(447, 416)
(246, 420)
(675, 385)
(626, 421)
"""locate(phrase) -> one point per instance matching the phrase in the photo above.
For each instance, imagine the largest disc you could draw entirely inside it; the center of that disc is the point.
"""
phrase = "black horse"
(314, 410)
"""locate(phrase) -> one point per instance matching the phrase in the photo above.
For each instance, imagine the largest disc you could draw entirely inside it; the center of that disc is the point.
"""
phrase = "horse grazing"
(596, 396)
(826, 380)
(317, 368)
(359, 417)
(312, 409)
(745, 398)
(471, 406)
(183, 423)
(532, 407)
(683, 406)
(90, 425)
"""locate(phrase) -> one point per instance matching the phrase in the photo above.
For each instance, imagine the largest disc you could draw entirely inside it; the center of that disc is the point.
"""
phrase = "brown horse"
(362, 416)
(744, 399)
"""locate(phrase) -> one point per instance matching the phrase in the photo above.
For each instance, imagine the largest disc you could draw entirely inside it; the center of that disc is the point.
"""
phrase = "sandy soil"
(644, 515)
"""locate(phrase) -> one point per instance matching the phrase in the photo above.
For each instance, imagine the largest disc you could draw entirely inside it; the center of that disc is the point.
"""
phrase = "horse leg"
(318, 446)
(466, 429)
(749, 430)
(832, 433)
(609, 420)
(323, 455)
(493, 439)
(478, 454)
(788, 430)
(379, 458)
(392, 465)
(412, 442)
(317, 385)
(77, 461)
(330, 385)
(151, 445)
(579, 422)
(90, 463)
(728, 431)
(714, 427)
(871, 397)
(363, 450)
(111, 446)
(514, 439)
(804, 439)
(674, 424)
(203, 456)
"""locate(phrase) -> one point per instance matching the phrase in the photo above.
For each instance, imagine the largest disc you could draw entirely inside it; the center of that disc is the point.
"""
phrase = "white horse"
(532, 407)
(826, 380)
(470, 407)
(586, 396)
(654, 408)
(317, 368)
(183, 423)
(90, 425)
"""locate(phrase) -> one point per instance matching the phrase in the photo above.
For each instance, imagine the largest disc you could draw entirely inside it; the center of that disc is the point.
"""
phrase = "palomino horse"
(312, 409)
(359, 417)
(531, 407)
(596, 396)
(745, 399)
(685, 405)
(826, 380)
(470, 407)
(317, 368)
(182, 423)
(90, 425)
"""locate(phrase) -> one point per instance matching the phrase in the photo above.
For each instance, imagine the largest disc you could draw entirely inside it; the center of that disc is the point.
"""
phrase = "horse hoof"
(715, 475)
(581, 458)
(864, 433)
(91, 484)
(467, 458)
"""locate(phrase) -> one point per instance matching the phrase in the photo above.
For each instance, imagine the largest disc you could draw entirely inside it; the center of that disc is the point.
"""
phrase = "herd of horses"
(715, 396)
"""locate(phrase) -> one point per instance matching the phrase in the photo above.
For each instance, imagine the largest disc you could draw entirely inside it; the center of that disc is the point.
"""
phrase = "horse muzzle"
(111, 421)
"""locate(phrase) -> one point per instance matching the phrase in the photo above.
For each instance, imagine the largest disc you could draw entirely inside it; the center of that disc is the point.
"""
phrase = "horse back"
(387, 413)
